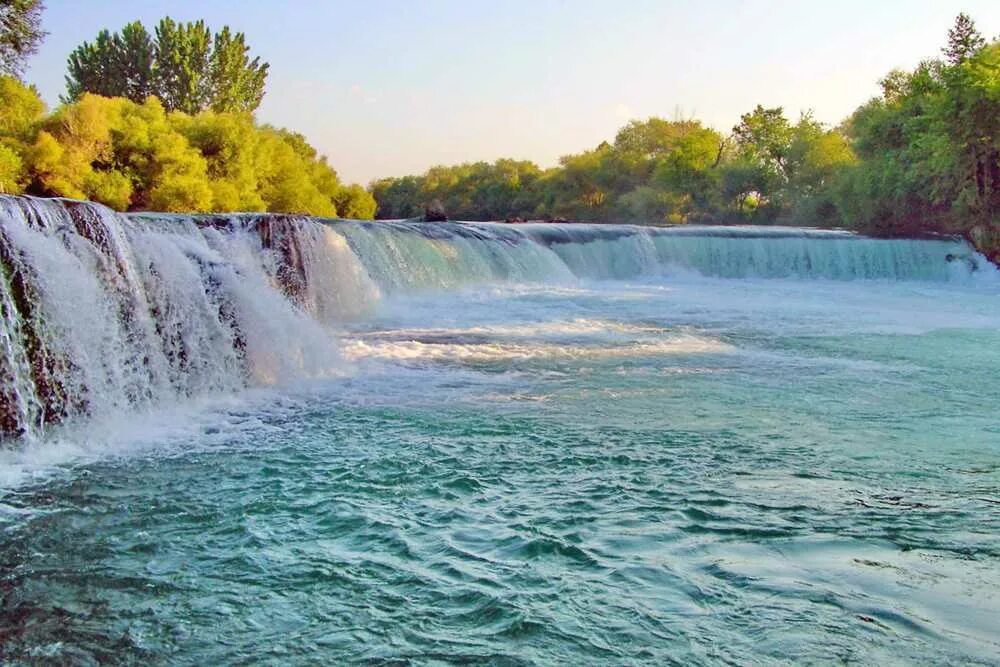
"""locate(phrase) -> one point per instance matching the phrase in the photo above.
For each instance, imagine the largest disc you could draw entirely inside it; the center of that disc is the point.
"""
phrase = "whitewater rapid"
(106, 313)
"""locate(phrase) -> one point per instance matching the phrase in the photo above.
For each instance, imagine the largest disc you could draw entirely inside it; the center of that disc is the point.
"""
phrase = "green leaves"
(20, 33)
(963, 40)
(236, 83)
(930, 147)
(138, 156)
(119, 65)
(182, 64)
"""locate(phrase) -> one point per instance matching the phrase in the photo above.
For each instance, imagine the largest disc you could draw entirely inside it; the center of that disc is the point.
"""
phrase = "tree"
(764, 135)
(119, 65)
(969, 115)
(353, 201)
(21, 110)
(742, 181)
(929, 148)
(963, 40)
(397, 197)
(138, 156)
(182, 64)
(236, 83)
(817, 157)
(20, 33)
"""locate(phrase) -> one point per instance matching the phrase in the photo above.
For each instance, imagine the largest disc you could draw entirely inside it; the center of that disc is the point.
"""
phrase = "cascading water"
(104, 312)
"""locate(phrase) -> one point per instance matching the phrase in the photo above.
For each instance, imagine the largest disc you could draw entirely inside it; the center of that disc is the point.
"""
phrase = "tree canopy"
(656, 170)
(20, 33)
(139, 156)
(183, 64)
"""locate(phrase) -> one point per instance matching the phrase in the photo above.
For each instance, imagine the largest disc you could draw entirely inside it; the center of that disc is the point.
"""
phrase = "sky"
(392, 87)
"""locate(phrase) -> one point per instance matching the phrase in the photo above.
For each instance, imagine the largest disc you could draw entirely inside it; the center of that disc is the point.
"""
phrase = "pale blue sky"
(386, 88)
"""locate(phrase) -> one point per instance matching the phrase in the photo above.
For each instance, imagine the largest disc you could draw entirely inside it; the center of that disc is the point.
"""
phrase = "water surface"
(664, 471)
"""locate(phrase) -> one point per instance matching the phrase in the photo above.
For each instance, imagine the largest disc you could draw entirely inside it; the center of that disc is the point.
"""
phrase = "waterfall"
(104, 312)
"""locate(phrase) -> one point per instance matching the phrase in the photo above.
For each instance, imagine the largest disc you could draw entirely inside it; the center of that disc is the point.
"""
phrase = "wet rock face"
(282, 235)
(27, 357)
(986, 239)
(156, 315)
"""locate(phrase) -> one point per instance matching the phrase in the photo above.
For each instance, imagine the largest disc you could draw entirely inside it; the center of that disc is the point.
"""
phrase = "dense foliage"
(182, 64)
(929, 147)
(134, 156)
(924, 156)
(20, 33)
(655, 170)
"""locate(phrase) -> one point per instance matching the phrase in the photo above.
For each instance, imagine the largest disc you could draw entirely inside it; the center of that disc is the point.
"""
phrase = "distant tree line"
(655, 170)
(158, 122)
(923, 156)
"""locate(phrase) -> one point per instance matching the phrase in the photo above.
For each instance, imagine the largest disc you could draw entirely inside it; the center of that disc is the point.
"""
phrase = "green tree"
(764, 136)
(230, 144)
(741, 184)
(20, 33)
(353, 201)
(397, 197)
(139, 156)
(963, 40)
(21, 111)
(182, 64)
(929, 147)
(969, 113)
(236, 83)
(119, 65)
(183, 54)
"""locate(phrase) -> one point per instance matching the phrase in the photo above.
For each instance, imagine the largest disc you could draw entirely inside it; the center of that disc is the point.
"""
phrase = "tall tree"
(963, 40)
(182, 64)
(20, 33)
(136, 52)
(119, 65)
(183, 52)
(236, 83)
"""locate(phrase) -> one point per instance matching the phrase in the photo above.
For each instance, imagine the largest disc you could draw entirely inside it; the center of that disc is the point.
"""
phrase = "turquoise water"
(660, 470)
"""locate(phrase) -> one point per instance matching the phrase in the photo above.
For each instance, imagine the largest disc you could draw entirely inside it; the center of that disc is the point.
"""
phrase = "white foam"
(558, 328)
(413, 350)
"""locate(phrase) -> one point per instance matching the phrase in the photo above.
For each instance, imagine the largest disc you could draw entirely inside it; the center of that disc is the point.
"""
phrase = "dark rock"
(434, 212)
(986, 239)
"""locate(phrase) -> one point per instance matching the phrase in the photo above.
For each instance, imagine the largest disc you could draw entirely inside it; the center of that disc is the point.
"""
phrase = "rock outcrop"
(986, 239)
(434, 212)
